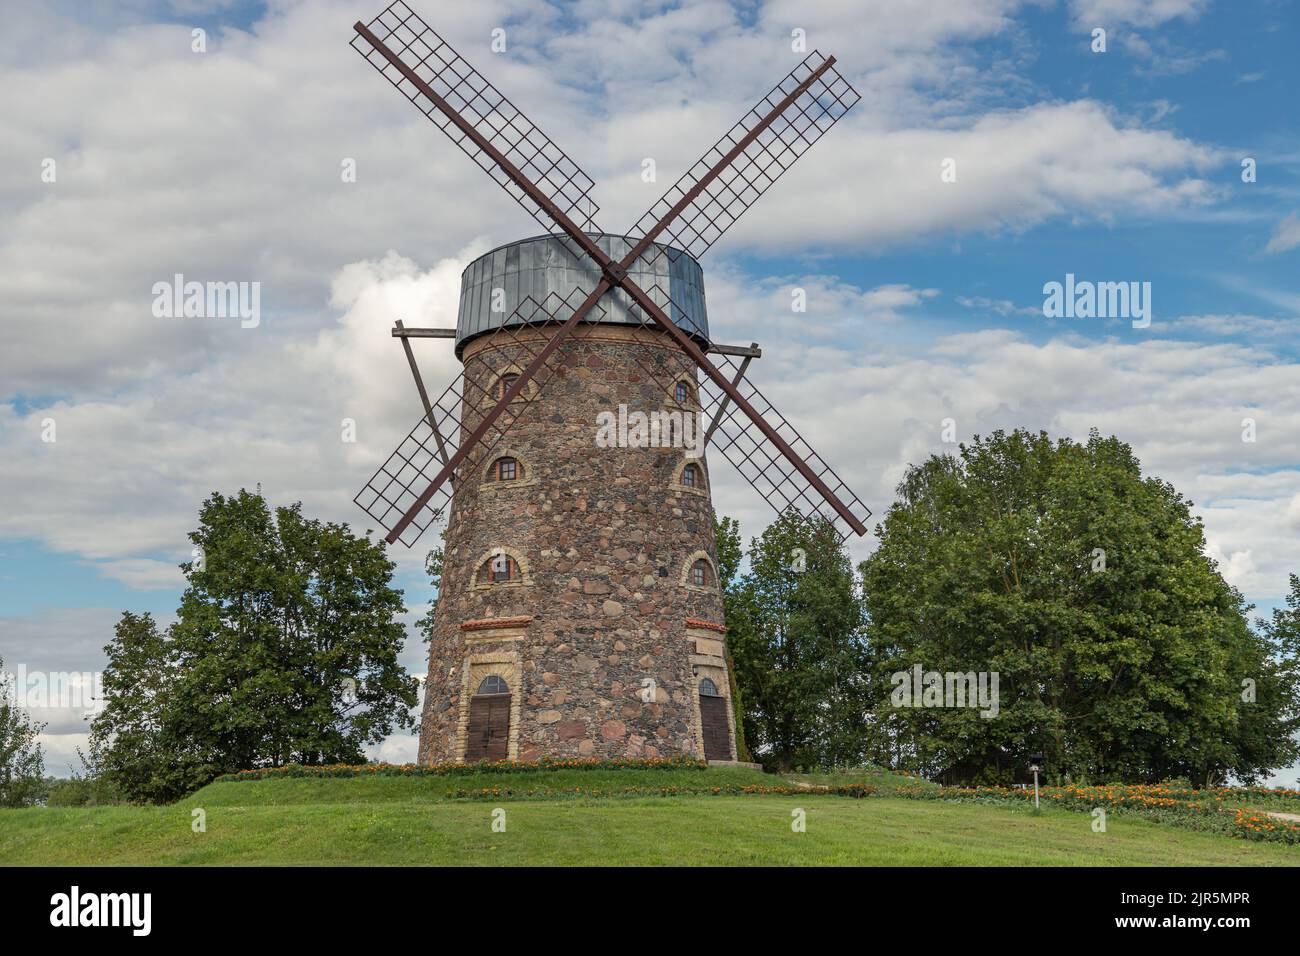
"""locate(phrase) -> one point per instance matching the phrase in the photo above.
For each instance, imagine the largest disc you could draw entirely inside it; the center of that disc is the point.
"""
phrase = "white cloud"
(226, 165)
(1237, 324)
(1293, 515)
(1139, 13)
(1015, 169)
(1001, 307)
(143, 574)
(1286, 236)
(124, 477)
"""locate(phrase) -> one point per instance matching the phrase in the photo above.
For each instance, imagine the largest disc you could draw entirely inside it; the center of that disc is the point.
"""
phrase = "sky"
(994, 151)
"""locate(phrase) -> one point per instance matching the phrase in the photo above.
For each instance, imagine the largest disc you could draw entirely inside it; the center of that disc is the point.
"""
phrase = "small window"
(508, 469)
(499, 567)
(505, 382)
(691, 476)
(683, 394)
(707, 688)
(701, 574)
(492, 684)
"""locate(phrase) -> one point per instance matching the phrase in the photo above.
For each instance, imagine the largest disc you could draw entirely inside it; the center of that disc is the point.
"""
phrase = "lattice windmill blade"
(697, 209)
(386, 495)
(408, 47)
(394, 490)
(762, 464)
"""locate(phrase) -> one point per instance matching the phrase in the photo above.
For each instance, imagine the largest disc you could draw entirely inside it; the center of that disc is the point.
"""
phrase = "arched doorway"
(713, 721)
(488, 734)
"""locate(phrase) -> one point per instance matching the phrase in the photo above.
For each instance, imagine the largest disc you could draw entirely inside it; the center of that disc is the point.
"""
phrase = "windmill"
(548, 326)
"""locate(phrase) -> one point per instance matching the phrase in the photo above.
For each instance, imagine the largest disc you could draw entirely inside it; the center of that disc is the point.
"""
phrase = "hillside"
(596, 817)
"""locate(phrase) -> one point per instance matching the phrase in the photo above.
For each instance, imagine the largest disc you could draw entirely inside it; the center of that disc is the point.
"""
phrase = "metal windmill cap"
(518, 283)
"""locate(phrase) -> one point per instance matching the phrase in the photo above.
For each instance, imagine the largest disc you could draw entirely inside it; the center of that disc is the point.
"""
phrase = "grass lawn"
(394, 820)
(308, 790)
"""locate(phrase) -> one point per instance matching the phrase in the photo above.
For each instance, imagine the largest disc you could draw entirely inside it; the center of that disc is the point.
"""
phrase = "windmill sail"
(753, 154)
(415, 49)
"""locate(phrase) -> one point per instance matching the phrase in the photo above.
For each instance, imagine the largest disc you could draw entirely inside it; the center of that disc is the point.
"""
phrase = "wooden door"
(713, 717)
(488, 735)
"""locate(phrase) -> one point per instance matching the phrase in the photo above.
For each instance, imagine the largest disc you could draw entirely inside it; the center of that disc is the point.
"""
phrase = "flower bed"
(1221, 809)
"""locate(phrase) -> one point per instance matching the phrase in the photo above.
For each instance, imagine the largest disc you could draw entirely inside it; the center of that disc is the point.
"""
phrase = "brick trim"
(487, 623)
(696, 622)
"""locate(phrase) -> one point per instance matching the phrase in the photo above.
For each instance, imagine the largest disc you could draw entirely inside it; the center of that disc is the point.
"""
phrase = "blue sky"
(925, 298)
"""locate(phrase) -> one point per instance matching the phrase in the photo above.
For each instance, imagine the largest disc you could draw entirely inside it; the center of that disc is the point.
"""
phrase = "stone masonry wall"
(604, 538)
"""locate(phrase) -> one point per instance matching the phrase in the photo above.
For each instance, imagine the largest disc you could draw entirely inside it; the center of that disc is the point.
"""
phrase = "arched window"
(492, 684)
(691, 476)
(498, 568)
(701, 573)
(682, 393)
(507, 469)
(707, 688)
(504, 383)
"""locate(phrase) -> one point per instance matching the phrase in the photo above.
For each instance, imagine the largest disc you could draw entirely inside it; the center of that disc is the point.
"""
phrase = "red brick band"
(706, 625)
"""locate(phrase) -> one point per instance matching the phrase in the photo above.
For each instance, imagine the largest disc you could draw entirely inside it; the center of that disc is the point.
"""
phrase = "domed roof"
(545, 269)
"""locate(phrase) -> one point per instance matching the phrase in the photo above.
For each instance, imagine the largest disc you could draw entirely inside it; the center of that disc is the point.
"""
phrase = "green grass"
(310, 790)
(643, 831)
(395, 820)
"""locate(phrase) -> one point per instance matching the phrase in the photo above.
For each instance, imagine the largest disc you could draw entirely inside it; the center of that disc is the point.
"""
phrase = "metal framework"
(461, 102)
(692, 215)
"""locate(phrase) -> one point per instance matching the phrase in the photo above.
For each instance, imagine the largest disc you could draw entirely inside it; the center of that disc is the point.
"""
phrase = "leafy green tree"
(134, 745)
(796, 639)
(433, 562)
(1120, 649)
(22, 760)
(1271, 699)
(726, 532)
(285, 650)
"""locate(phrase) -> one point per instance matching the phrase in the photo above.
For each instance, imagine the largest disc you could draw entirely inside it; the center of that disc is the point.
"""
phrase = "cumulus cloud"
(1014, 170)
(227, 165)
(123, 477)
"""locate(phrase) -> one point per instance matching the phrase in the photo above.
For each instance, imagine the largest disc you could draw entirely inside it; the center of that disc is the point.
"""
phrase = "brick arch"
(525, 575)
(692, 389)
(686, 573)
(702, 482)
(494, 376)
(488, 481)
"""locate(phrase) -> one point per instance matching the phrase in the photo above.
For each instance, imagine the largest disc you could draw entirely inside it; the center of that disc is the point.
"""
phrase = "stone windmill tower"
(579, 613)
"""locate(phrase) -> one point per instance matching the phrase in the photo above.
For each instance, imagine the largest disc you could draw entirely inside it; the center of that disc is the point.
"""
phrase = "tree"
(795, 635)
(22, 760)
(1085, 587)
(134, 743)
(433, 562)
(726, 534)
(1272, 698)
(284, 650)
